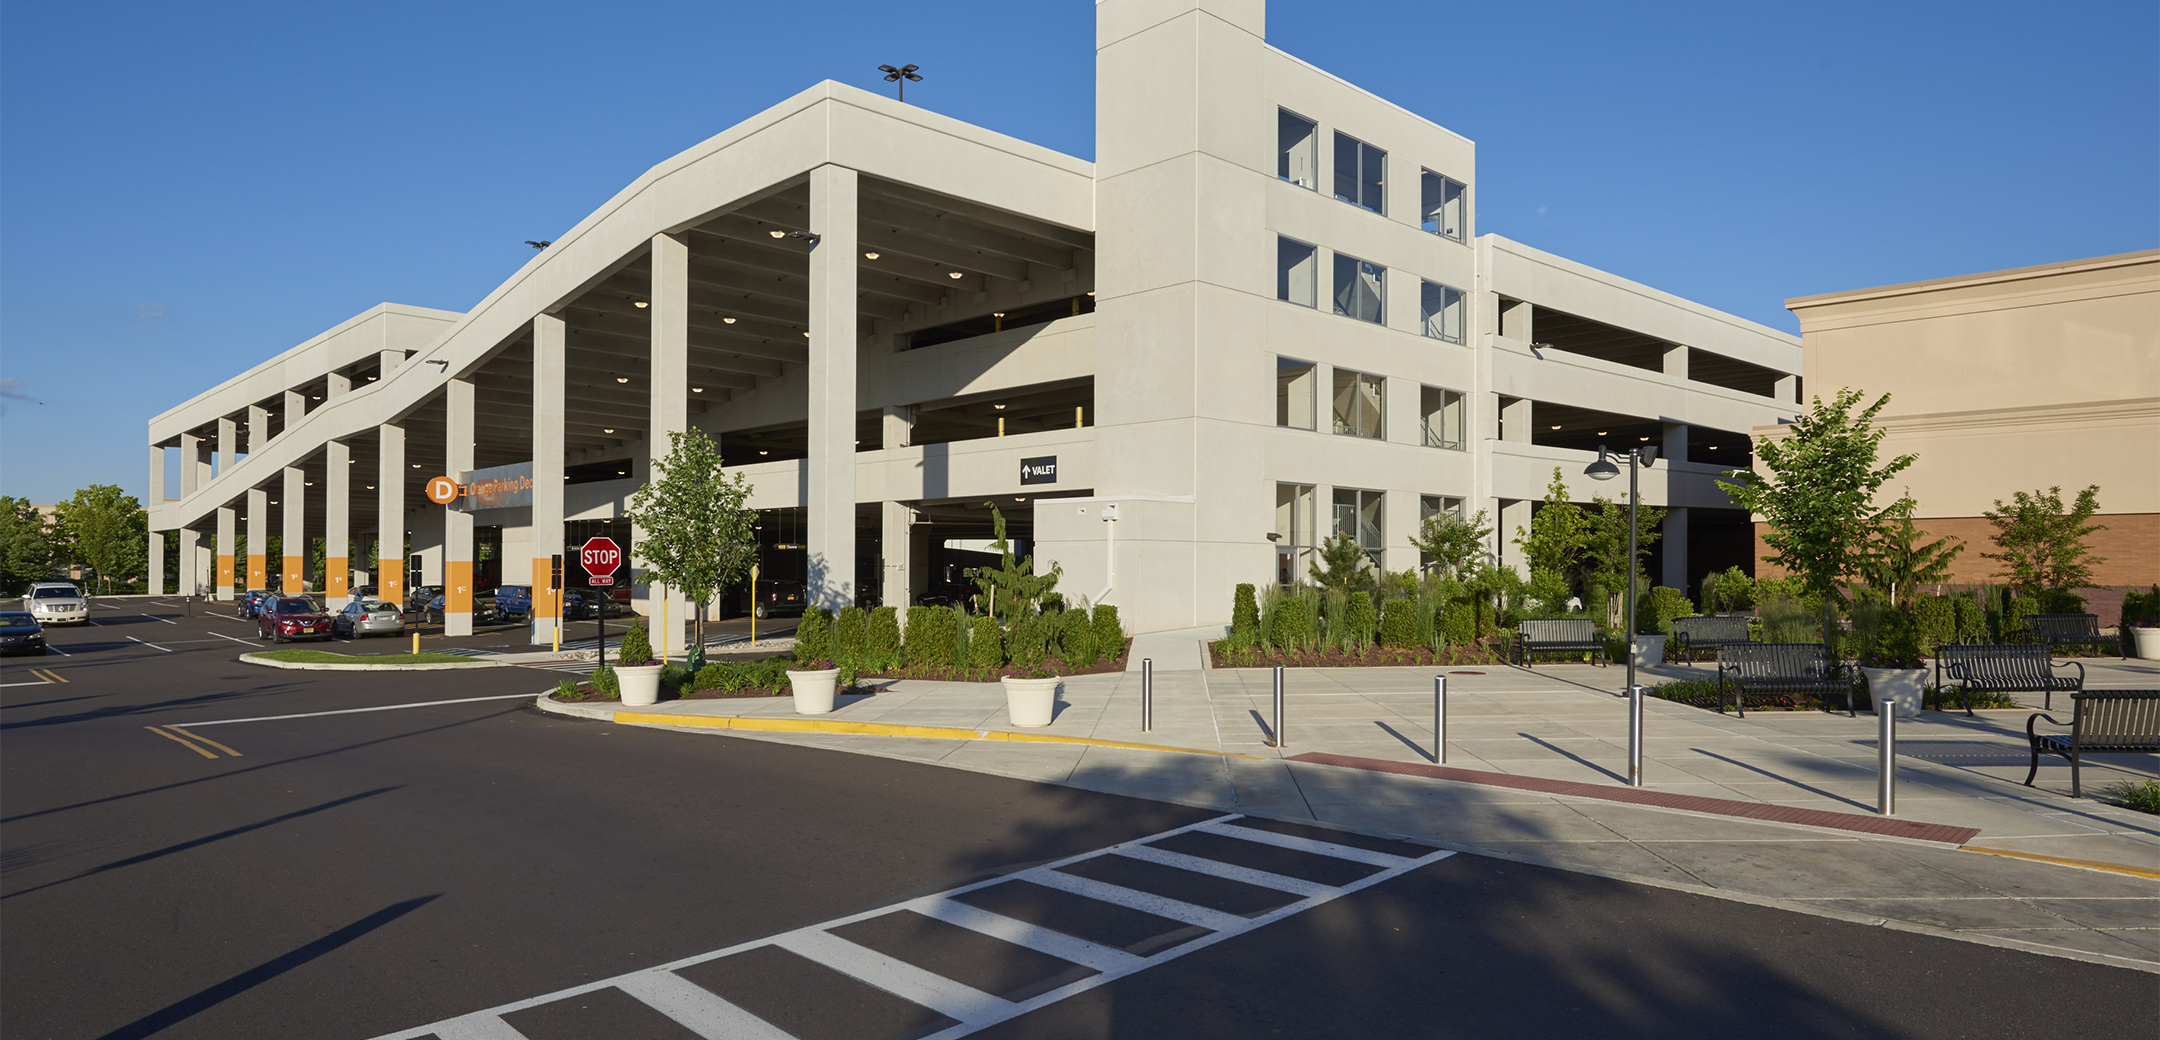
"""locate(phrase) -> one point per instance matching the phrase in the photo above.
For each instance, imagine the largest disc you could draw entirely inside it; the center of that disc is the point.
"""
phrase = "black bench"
(2002, 668)
(1768, 669)
(1692, 634)
(2108, 722)
(1558, 635)
(2053, 630)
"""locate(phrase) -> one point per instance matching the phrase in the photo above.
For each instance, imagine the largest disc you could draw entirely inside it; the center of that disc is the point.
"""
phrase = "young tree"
(1816, 490)
(2043, 546)
(25, 549)
(1554, 542)
(107, 529)
(1899, 563)
(1012, 590)
(1346, 566)
(697, 535)
(1452, 541)
(1605, 541)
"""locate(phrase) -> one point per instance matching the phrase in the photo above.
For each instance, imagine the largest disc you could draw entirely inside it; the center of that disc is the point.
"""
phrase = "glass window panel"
(1360, 289)
(1440, 414)
(1297, 272)
(1440, 208)
(1372, 179)
(1359, 402)
(1296, 383)
(1440, 310)
(1454, 422)
(1346, 168)
(1298, 160)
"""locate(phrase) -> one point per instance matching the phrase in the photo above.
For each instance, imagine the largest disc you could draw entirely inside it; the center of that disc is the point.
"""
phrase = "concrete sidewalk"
(1564, 724)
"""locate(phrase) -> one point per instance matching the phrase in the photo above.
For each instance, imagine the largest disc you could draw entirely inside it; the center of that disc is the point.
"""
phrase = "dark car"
(778, 596)
(291, 617)
(513, 602)
(483, 609)
(417, 599)
(585, 604)
(20, 633)
(251, 601)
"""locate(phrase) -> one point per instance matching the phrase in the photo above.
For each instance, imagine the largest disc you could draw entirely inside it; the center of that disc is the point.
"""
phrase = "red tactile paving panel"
(1887, 826)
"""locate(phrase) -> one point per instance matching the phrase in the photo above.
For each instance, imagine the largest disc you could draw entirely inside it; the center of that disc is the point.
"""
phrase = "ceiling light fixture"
(1556, 426)
(622, 379)
(1642, 438)
(640, 304)
(416, 465)
(371, 379)
(997, 314)
(729, 321)
(697, 389)
(762, 451)
(952, 274)
(607, 429)
(1601, 433)
(869, 256)
(779, 234)
(999, 407)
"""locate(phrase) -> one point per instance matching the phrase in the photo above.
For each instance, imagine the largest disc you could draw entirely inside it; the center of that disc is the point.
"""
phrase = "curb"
(312, 666)
(2060, 861)
(547, 702)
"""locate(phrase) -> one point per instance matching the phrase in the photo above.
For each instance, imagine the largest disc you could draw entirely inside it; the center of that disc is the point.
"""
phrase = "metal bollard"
(1147, 694)
(1279, 742)
(1634, 736)
(1886, 754)
(1439, 720)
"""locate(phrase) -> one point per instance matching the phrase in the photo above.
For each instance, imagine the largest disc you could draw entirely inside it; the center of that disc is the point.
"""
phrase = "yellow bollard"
(416, 642)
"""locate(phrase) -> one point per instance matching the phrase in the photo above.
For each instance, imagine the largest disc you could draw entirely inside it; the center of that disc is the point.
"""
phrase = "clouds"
(15, 390)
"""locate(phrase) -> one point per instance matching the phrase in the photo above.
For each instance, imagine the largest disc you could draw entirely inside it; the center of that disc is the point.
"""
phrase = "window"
(1359, 404)
(1443, 418)
(1358, 179)
(1294, 539)
(1298, 150)
(1297, 272)
(1440, 208)
(1430, 506)
(1360, 289)
(1295, 382)
(1440, 308)
(1357, 515)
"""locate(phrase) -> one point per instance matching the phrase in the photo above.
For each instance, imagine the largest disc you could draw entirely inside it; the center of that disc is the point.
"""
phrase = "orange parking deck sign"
(442, 491)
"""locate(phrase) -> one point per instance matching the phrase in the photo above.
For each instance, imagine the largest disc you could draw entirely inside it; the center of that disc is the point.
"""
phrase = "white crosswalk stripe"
(710, 1015)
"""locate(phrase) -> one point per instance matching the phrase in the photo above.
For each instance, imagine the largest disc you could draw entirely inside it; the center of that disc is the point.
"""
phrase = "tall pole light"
(901, 76)
(1604, 469)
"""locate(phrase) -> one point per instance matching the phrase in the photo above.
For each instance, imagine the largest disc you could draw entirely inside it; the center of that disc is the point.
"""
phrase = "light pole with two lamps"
(1605, 469)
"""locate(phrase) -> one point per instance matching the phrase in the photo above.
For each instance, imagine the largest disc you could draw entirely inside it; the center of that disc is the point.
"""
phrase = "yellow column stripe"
(191, 734)
(176, 738)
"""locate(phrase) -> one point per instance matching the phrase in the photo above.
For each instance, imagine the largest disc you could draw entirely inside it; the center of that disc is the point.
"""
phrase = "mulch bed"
(951, 673)
(1372, 657)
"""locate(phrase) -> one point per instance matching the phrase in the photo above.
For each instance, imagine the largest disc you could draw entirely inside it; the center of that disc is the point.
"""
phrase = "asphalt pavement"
(368, 854)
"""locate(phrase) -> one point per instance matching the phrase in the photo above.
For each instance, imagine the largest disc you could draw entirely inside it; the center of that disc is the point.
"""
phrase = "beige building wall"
(2010, 381)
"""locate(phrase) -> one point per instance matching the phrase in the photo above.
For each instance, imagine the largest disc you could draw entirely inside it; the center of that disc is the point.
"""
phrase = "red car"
(292, 617)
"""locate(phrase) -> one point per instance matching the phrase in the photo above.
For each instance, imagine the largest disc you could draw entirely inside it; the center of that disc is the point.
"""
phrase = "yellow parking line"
(48, 675)
(182, 741)
(2088, 864)
(886, 729)
(197, 736)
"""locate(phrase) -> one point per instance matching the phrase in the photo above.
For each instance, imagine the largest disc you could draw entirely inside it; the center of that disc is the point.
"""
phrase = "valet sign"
(601, 557)
(1041, 469)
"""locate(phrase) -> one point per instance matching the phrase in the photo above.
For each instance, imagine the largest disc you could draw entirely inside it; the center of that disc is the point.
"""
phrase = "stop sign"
(601, 556)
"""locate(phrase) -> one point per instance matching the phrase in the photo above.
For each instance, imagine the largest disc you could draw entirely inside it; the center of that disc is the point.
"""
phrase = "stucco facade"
(1261, 316)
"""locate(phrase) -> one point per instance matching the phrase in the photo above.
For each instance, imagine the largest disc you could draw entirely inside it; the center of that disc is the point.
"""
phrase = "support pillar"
(1676, 361)
(292, 506)
(390, 512)
(154, 577)
(1674, 546)
(1675, 447)
(156, 493)
(670, 410)
(1787, 390)
(830, 502)
(1514, 513)
(458, 524)
(190, 576)
(337, 522)
(228, 440)
(225, 539)
(258, 538)
(1515, 420)
(896, 541)
(549, 379)
(191, 448)
(390, 362)
(294, 410)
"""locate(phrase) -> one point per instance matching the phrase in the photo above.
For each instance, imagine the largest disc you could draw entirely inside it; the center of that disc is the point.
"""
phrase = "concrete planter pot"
(1902, 687)
(1031, 702)
(2145, 642)
(640, 684)
(1650, 650)
(813, 690)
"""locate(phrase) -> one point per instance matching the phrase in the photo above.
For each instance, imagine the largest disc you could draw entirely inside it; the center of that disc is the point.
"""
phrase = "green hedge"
(1076, 640)
(814, 636)
(728, 677)
(881, 639)
(1937, 620)
(1399, 624)
(2013, 623)
(851, 630)
(1296, 625)
(1245, 616)
(986, 645)
(635, 646)
(933, 636)
(1971, 623)
(1656, 611)
(1458, 623)
(1109, 633)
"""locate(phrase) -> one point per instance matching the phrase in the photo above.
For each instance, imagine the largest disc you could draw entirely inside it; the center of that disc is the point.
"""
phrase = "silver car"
(56, 603)
(362, 618)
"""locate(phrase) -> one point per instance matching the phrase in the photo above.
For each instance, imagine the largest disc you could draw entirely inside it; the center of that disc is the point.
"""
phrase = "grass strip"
(297, 656)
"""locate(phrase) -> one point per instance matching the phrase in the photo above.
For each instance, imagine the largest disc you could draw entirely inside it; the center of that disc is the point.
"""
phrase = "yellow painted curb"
(887, 729)
(2089, 864)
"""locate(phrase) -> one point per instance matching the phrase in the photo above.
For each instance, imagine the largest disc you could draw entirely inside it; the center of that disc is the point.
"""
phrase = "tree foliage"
(25, 548)
(1816, 491)
(2043, 544)
(1899, 563)
(1011, 590)
(106, 529)
(1554, 542)
(1605, 547)
(1343, 565)
(697, 536)
(1452, 541)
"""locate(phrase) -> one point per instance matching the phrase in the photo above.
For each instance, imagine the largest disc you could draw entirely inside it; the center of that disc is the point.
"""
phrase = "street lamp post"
(901, 76)
(1604, 469)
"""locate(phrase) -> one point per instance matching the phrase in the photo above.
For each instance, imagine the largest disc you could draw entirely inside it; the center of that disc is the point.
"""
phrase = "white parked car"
(56, 603)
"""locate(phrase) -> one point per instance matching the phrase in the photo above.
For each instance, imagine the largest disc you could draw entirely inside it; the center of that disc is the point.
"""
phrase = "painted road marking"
(48, 675)
(154, 617)
(182, 741)
(236, 639)
(150, 644)
(710, 1015)
(353, 711)
(4, 686)
(57, 650)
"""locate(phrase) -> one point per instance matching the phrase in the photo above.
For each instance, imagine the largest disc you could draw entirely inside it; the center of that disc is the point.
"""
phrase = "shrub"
(1937, 618)
(850, 632)
(672, 676)
(1654, 613)
(881, 643)
(1971, 625)
(813, 637)
(1296, 625)
(2137, 796)
(1033, 639)
(728, 677)
(1788, 620)
(2060, 601)
(605, 682)
(2013, 622)
(1730, 591)
(1076, 639)
(1109, 634)
(1458, 623)
(932, 635)
(1244, 617)
(635, 648)
(1399, 624)
(986, 645)
(2141, 608)
(567, 690)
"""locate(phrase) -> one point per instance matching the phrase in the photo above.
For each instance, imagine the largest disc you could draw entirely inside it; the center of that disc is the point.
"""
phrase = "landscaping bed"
(301, 656)
(1370, 657)
(1703, 693)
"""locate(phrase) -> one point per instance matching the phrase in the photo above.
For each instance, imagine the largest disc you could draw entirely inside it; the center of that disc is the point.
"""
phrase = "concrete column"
(258, 537)
(156, 493)
(258, 428)
(340, 385)
(1514, 513)
(154, 577)
(228, 439)
(549, 380)
(293, 511)
(1674, 544)
(190, 461)
(190, 576)
(458, 525)
(225, 539)
(337, 522)
(1515, 320)
(918, 578)
(390, 512)
(1515, 420)
(898, 428)
(295, 409)
(1788, 389)
(1676, 361)
(391, 360)
(830, 501)
(1675, 447)
(894, 546)
(670, 406)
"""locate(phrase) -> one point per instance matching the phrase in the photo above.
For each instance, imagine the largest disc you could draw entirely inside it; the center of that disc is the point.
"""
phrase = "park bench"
(2053, 630)
(2108, 722)
(1692, 634)
(1557, 635)
(2004, 668)
(1768, 669)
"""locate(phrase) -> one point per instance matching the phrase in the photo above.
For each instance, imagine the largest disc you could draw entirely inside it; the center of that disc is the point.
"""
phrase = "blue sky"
(187, 189)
